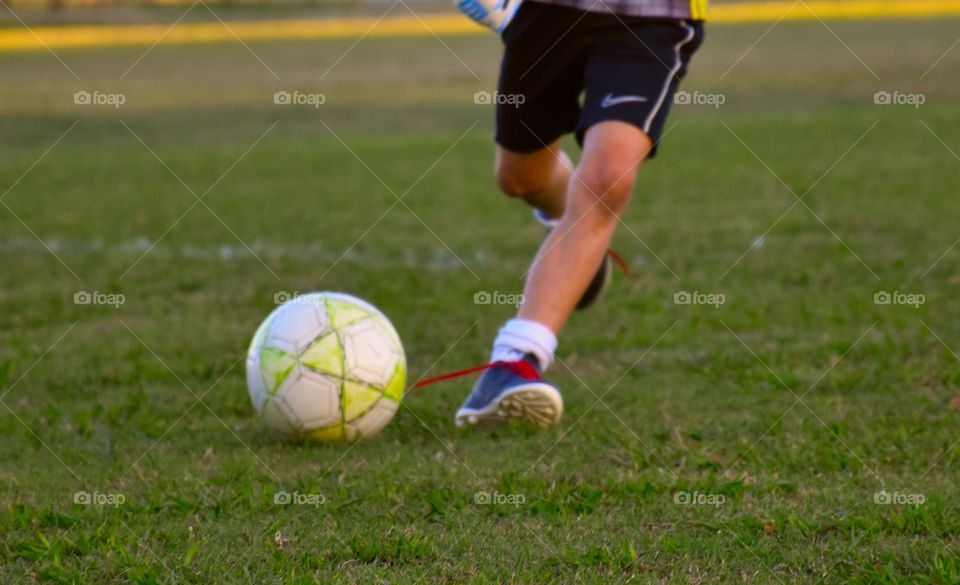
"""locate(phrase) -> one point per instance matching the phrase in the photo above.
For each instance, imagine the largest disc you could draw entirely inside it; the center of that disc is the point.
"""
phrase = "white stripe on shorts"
(673, 72)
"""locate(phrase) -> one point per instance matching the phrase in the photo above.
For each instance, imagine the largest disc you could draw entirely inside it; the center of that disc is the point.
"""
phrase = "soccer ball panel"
(387, 326)
(313, 397)
(358, 399)
(297, 323)
(278, 416)
(370, 354)
(374, 312)
(343, 312)
(326, 434)
(373, 421)
(255, 380)
(325, 355)
(255, 383)
(275, 367)
(398, 383)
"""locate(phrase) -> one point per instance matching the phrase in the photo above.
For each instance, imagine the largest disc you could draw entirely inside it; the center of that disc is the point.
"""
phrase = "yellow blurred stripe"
(768, 11)
(206, 32)
(21, 39)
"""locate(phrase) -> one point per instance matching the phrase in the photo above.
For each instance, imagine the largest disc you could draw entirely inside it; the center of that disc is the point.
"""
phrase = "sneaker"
(511, 391)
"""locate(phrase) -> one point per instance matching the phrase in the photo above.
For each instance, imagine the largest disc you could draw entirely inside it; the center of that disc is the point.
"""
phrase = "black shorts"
(629, 66)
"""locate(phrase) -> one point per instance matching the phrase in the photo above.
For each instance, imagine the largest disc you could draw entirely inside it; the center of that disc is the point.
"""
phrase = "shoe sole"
(537, 404)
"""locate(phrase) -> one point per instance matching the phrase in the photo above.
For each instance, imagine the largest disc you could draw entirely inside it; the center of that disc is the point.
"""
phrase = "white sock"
(521, 336)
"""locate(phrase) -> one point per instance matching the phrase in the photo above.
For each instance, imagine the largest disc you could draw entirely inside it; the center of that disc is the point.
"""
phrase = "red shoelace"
(521, 368)
(618, 259)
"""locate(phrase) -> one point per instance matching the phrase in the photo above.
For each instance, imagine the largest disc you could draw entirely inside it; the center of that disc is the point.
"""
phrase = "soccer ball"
(326, 366)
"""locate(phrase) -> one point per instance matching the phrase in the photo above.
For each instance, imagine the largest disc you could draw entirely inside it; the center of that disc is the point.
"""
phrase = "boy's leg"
(603, 57)
(539, 178)
(597, 194)
(618, 135)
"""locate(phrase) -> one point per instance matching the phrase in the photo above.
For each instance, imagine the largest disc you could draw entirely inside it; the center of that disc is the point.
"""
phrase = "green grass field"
(784, 412)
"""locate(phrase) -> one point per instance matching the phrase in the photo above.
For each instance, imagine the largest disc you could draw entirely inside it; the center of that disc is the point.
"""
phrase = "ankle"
(519, 337)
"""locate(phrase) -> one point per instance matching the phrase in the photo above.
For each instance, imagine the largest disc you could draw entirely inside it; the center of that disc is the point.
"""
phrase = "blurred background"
(201, 158)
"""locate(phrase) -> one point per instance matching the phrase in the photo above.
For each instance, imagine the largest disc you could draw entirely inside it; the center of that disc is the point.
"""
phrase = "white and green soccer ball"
(326, 366)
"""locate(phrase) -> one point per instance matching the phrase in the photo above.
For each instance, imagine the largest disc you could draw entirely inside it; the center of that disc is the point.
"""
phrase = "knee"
(606, 187)
(519, 181)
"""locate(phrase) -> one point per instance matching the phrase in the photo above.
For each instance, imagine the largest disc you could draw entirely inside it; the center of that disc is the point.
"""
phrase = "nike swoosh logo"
(609, 100)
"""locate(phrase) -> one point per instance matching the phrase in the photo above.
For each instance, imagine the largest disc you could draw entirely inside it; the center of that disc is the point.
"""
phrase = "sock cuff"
(545, 221)
(527, 336)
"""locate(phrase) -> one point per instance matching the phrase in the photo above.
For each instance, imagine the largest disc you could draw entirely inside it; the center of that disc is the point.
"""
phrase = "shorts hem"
(526, 147)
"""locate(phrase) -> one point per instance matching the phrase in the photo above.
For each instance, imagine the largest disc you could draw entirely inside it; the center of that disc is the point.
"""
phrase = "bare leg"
(540, 178)
(589, 202)
(596, 194)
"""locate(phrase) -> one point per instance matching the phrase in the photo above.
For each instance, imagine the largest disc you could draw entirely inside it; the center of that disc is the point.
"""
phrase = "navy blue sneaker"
(512, 391)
